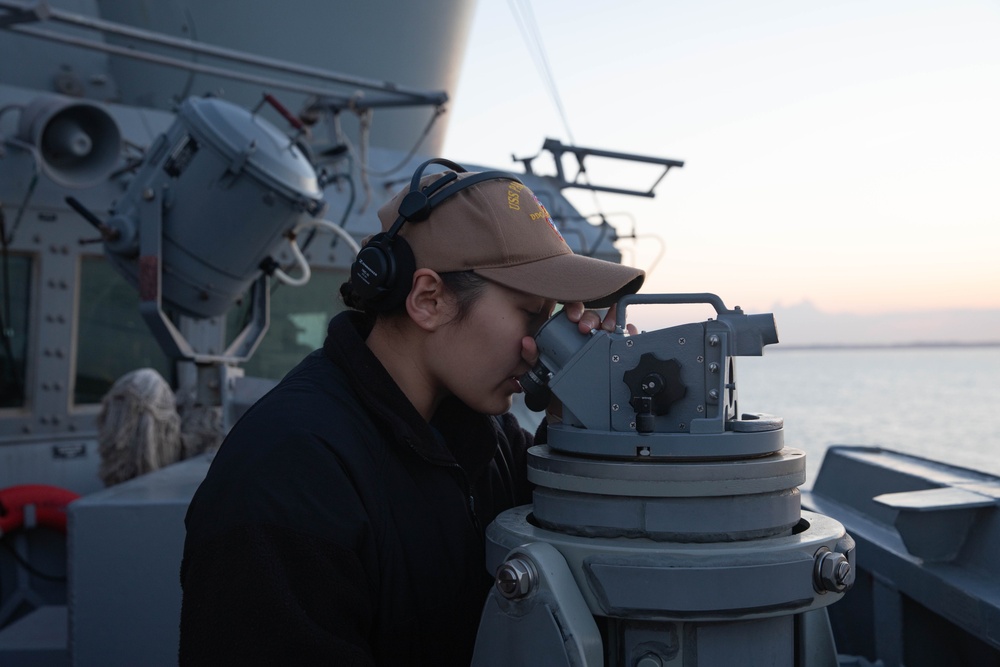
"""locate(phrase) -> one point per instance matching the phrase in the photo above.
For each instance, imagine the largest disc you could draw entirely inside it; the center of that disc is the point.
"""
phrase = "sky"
(844, 155)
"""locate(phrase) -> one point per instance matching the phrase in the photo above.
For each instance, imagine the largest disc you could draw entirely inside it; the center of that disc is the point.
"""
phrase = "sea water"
(935, 402)
(939, 403)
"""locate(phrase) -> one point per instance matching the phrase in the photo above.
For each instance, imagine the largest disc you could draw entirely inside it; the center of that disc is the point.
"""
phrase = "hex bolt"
(515, 578)
(831, 572)
(842, 572)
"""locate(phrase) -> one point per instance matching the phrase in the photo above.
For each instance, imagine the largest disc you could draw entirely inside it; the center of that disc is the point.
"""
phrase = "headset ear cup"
(383, 272)
(402, 281)
(372, 267)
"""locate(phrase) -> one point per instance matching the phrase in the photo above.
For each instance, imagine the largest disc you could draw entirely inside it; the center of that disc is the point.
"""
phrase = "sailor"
(342, 520)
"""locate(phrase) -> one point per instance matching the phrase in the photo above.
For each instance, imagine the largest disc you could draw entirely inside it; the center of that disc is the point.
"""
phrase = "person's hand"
(588, 322)
(591, 320)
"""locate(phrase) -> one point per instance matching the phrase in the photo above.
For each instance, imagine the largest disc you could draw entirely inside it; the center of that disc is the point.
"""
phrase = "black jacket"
(336, 526)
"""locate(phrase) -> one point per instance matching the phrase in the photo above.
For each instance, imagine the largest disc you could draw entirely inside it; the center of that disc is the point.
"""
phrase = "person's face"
(479, 358)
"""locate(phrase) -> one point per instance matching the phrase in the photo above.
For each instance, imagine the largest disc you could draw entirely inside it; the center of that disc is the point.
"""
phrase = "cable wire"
(23, 562)
(524, 16)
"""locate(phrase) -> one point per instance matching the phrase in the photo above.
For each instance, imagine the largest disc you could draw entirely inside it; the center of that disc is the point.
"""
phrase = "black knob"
(656, 379)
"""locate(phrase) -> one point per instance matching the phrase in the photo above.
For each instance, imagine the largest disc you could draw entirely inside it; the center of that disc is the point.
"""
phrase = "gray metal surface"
(294, 46)
(37, 640)
(544, 622)
(126, 544)
(212, 199)
(675, 387)
(604, 569)
(905, 608)
(705, 501)
(696, 554)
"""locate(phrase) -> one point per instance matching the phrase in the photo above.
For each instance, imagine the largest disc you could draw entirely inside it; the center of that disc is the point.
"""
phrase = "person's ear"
(428, 304)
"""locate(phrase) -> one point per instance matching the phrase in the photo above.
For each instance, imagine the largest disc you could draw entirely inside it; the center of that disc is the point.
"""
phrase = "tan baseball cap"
(498, 229)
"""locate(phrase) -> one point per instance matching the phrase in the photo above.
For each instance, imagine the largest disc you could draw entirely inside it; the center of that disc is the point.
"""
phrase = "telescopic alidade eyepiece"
(537, 395)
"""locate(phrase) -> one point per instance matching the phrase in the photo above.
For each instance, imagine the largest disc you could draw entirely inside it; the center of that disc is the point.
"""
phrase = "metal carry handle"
(646, 299)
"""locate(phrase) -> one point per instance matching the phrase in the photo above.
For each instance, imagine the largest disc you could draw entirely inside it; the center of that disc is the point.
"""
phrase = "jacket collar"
(471, 437)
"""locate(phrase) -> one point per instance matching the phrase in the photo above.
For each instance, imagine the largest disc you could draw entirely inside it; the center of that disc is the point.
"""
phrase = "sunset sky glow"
(841, 153)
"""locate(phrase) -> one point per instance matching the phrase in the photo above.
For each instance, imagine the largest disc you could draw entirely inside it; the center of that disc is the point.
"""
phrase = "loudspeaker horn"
(78, 142)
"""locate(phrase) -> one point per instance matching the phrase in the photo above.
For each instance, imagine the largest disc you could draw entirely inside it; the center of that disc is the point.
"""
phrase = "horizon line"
(880, 346)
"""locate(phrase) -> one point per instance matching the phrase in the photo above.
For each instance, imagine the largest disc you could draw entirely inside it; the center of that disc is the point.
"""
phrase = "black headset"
(382, 273)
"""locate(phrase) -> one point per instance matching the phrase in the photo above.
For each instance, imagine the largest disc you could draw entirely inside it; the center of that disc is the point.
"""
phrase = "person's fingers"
(590, 320)
(608, 324)
(587, 320)
(529, 350)
(574, 311)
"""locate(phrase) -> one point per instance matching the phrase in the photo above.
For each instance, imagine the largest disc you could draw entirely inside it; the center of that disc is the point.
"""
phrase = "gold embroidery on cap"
(514, 195)
(544, 214)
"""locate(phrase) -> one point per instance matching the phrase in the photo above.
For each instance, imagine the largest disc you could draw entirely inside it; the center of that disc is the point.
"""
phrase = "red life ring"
(50, 506)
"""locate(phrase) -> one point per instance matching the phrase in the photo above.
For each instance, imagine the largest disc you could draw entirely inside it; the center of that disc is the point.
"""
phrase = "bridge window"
(112, 338)
(299, 316)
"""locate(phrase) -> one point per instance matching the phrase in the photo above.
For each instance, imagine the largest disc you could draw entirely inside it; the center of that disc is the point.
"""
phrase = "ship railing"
(559, 149)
